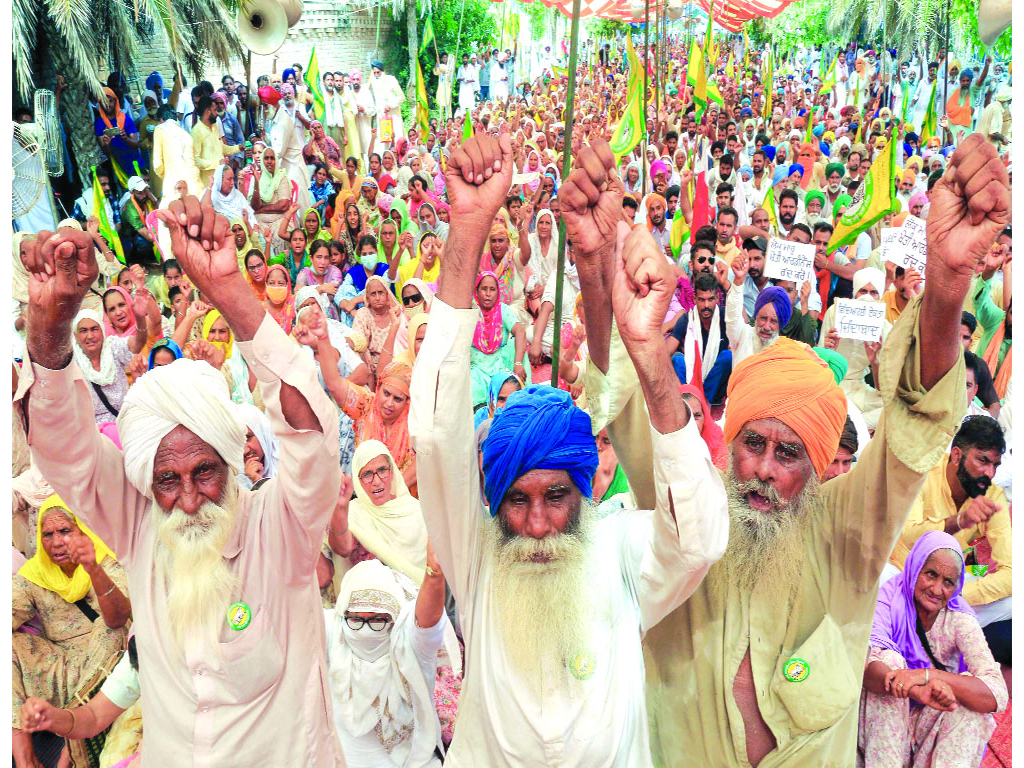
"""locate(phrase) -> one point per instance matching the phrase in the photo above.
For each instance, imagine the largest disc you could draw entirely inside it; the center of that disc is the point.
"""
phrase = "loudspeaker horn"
(293, 10)
(262, 26)
(993, 19)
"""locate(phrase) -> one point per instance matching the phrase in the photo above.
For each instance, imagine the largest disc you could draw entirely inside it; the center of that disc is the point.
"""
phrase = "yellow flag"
(879, 198)
(769, 86)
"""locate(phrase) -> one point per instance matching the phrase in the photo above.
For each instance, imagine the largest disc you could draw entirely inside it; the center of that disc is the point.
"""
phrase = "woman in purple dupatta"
(930, 684)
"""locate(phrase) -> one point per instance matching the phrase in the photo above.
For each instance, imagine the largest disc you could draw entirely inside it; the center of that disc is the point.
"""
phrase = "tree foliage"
(605, 28)
(540, 17)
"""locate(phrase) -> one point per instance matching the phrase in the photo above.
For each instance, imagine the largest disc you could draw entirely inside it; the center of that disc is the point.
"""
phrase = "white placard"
(786, 260)
(856, 319)
(906, 246)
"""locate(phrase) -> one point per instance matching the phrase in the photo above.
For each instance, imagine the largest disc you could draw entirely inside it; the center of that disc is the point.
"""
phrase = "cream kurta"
(208, 150)
(264, 701)
(648, 564)
(174, 159)
(694, 654)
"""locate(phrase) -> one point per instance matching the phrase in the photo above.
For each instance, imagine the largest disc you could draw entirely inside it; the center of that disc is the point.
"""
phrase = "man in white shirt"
(467, 80)
(554, 604)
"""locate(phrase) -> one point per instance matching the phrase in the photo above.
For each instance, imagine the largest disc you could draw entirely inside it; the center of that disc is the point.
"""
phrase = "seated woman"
(280, 303)
(260, 451)
(709, 429)
(311, 323)
(243, 241)
(395, 245)
(228, 201)
(241, 381)
(351, 296)
(103, 361)
(321, 275)
(384, 521)
(77, 591)
(381, 321)
(610, 479)
(502, 384)
(271, 193)
(256, 273)
(381, 414)
(348, 230)
(918, 706)
(115, 706)
(296, 258)
(164, 352)
(499, 341)
(312, 225)
(383, 640)
(121, 314)
(429, 221)
(426, 265)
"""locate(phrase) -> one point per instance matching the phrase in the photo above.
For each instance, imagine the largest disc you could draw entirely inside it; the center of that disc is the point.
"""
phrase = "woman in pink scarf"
(499, 341)
(118, 318)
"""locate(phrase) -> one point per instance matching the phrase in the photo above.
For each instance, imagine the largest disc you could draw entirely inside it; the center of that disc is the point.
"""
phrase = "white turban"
(869, 275)
(187, 392)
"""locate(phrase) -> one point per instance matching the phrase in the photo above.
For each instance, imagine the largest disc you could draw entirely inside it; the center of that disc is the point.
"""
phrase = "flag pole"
(647, 58)
(570, 96)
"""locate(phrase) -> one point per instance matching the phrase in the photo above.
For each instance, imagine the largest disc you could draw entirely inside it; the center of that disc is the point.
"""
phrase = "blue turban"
(795, 168)
(539, 428)
(967, 73)
(825, 150)
(778, 175)
(779, 299)
(289, 71)
(818, 130)
(498, 381)
(377, 64)
(769, 150)
(155, 83)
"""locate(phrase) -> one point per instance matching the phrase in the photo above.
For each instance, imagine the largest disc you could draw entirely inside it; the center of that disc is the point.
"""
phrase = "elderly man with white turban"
(868, 285)
(222, 580)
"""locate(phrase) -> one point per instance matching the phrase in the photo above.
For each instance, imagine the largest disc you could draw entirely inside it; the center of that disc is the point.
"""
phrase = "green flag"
(99, 210)
(422, 108)
(929, 125)
(312, 78)
(829, 81)
(691, 63)
(467, 126)
(630, 129)
(879, 199)
(428, 35)
(769, 86)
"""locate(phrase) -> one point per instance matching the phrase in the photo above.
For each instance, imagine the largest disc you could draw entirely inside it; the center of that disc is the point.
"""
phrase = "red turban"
(790, 383)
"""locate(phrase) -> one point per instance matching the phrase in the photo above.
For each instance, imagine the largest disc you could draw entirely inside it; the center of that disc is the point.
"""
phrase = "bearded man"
(762, 665)
(772, 310)
(228, 617)
(553, 602)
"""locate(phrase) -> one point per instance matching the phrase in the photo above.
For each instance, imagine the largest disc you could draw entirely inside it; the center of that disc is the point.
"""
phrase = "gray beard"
(766, 547)
(544, 612)
(187, 558)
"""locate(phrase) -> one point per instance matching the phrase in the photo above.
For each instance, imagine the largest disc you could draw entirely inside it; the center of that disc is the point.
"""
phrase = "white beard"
(761, 346)
(198, 580)
(544, 611)
(763, 546)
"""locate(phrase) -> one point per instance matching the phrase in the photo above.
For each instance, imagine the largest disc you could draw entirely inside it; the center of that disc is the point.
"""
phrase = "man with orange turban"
(764, 663)
(657, 224)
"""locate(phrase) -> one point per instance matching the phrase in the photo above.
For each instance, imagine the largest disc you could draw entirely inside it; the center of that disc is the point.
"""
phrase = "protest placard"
(906, 246)
(856, 319)
(786, 260)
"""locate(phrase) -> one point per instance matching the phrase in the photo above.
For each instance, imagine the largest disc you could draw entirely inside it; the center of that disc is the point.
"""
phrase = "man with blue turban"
(772, 310)
(554, 599)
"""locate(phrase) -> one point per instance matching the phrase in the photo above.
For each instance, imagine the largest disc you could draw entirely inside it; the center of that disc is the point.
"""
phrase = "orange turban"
(790, 383)
(899, 219)
(651, 198)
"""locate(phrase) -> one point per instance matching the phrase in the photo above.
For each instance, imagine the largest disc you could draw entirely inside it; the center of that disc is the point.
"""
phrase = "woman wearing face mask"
(382, 644)
(321, 275)
(351, 295)
(499, 341)
(280, 303)
(427, 264)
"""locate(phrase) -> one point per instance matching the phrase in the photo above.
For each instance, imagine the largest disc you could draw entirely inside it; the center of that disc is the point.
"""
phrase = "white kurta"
(388, 98)
(286, 140)
(469, 84)
(649, 563)
(364, 99)
(174, 158)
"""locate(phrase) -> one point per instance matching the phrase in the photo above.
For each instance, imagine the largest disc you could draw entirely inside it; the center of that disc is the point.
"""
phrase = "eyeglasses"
(383, 473)
(377, 623)
(416, 298)
(704, 259)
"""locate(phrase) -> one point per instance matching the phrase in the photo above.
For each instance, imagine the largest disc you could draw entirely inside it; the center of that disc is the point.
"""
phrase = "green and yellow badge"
(239, 616)
(583, 665)
(796, 670)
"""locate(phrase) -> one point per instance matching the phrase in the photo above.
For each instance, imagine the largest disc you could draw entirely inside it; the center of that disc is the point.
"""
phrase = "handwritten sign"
(906, 246)
(856, 319)
(786, 260)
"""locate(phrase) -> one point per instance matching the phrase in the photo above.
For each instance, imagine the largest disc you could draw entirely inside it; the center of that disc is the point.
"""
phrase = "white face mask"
(367, 644)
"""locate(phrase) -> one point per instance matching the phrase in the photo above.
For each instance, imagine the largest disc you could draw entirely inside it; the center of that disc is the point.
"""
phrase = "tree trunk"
(76, 115)
(414, 47)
